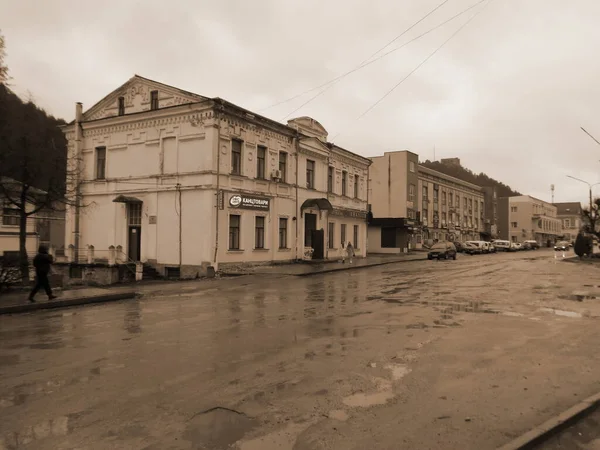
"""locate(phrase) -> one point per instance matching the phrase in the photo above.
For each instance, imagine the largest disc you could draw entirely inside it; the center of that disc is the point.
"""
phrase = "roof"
(566, 208)
(8, 182)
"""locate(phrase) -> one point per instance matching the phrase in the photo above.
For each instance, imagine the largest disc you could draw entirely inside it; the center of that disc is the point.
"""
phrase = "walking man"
(350, 252)
(42, 263)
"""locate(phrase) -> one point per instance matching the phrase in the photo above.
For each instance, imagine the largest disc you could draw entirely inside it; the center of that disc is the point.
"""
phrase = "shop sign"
(348, 213)
(243, 201)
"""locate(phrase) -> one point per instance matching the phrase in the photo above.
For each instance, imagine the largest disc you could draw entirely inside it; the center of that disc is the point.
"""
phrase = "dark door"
(135, 242)
(310, 224)
(318, 243)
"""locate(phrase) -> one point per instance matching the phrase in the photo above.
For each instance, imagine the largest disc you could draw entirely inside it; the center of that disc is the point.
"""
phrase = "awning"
(321, 203)
(125, 199)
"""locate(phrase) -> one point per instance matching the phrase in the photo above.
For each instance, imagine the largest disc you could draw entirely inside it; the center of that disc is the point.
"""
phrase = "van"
(484, 246)
(501, 245)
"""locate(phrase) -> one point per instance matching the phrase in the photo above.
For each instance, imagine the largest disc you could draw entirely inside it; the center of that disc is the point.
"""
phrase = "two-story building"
(570, 214)
(525, 217)
(182, 182)
(450, 209)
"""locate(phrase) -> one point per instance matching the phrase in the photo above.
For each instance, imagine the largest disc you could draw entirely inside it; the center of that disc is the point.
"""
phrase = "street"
(464, 354)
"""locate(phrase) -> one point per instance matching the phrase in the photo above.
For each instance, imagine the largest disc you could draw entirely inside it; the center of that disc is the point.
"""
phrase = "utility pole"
(585, 131)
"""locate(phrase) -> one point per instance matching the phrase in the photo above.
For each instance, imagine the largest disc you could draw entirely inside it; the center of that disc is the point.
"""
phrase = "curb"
(543, 432)
(77, 301)
(356, 267)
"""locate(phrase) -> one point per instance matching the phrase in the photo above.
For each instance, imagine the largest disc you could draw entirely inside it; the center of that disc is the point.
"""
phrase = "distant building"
(524, 218)
(570, 215)
(490, 201)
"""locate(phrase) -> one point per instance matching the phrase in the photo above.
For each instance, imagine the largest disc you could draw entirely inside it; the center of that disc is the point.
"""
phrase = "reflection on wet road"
(261, 361)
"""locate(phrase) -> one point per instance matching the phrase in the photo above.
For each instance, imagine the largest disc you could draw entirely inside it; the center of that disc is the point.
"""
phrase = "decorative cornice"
(313, 154)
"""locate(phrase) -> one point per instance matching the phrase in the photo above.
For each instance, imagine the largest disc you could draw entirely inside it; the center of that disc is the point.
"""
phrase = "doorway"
(134, 231)
(310, 225)
(318, 243)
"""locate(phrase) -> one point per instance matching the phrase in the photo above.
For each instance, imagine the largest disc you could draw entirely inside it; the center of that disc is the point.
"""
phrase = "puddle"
(339, 415)
(560, 312)
(284, 439)
(398, 370)
(578, 297)
(452, 307)
(218, 428)
(512, 314)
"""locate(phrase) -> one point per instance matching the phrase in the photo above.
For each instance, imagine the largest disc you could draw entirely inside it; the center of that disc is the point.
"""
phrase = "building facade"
(570, 214)
(450, 209)
(490, 203)
(182, 182)
(524, 218)
(393, 184)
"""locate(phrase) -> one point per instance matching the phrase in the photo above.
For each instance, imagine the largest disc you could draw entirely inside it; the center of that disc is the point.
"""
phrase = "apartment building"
(528, 218)
(450, 209)
(182, 181)
(570, 214)
(393, 185)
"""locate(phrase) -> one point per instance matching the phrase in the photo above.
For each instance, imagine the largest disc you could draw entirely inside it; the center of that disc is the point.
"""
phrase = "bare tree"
(3, 67)
(590, 218)
(35, 173)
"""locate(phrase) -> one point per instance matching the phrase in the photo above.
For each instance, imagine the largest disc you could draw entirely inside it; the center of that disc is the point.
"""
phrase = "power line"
(366, 60)
(420, 64)
(339, 77)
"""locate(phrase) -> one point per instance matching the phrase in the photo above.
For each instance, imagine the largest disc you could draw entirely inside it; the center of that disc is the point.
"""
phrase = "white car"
(502, 245)
(515, 246)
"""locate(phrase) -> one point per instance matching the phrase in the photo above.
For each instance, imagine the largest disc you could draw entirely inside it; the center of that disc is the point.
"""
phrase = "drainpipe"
(178, 187)
(297, 145)
(368, 210)
(217, 120)
(77, 152)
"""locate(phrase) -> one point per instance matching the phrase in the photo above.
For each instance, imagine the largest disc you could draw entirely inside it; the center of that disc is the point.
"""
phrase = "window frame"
(411, 166)
(331, 235)
(330, 178)
(261, 162)
(236, 154)
(12, 213)
(356, 236)
(310, 173)
(283, 233)
(234, 233)
(121, 106)
(411, 192)
(153, 100)
(100, 170)
(259, 233)
(344, 183)
(282, 165)
(356, 185)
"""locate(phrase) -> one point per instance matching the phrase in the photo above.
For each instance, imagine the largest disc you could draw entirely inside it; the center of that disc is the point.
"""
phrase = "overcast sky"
(507, 95)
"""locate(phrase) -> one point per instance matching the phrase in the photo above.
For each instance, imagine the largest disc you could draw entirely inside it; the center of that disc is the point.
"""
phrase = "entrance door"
(135, 242)
(134, 233)
(310, 224)
(318, 243)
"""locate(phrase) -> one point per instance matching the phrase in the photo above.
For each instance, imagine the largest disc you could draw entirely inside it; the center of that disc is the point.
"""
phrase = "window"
(310, 174)
(121, 106)
(330, 179)
(514, 224)
(450, 198)
(388, 238)
(11, 217)
(470, 204)
(100, 163)
(476, 222)
(457, 202)
(153, 100)
(411, 213)
(481, 208)
(283, 166)
(513, 209)
(443, 198)
(236, 157)
(343, 233)
(344, 183)
(234, 232)
(425, 193)
(465, 203)
(424, 216)
(134, 213)
(356, 186)
(411, 192)
(476, 207)
(443, 218)
(567, 223)
(260, 162)
(330, 235)
(435, 196)
(259, 232)
(283, 227)
(355, 240)
(411, 166)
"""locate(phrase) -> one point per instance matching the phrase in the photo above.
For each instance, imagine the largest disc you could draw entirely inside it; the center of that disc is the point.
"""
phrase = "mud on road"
(464, 354)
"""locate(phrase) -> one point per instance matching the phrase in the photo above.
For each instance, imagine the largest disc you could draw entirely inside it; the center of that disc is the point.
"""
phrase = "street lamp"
(589, 185)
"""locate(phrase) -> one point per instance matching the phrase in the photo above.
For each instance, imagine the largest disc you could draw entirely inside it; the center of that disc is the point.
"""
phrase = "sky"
(507, 94)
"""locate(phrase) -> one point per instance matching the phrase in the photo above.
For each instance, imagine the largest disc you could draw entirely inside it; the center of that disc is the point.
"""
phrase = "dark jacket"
(42, 262)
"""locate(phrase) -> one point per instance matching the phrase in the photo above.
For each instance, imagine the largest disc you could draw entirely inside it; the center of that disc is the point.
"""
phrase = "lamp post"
(590, 186)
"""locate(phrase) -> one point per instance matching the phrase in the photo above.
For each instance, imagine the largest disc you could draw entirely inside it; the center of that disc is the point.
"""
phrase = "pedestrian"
(42, 263)
(350, 252)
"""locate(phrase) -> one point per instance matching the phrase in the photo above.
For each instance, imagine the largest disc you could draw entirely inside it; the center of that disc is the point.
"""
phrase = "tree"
(3, 68)
(591, 219)
(34, 169)
(581, 245)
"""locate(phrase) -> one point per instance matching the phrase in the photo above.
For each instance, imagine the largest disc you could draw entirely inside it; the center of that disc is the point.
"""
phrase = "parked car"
(485, 247)
(460, 248)
(533, 244)
(493, 248)
(501, 245)
(442, 250)
(526, 246)
(472, 249)
(515, 246)
(562, 246)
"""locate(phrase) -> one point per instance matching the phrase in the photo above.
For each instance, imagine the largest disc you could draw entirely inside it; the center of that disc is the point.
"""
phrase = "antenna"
(552, 190)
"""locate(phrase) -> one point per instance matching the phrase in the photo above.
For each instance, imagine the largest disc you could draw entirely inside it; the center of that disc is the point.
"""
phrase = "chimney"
(78, 111)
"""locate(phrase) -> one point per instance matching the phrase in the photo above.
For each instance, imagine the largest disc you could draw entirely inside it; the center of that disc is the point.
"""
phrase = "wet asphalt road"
(426, 354)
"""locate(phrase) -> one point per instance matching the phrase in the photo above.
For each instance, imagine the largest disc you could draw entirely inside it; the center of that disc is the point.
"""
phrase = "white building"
(181, 182)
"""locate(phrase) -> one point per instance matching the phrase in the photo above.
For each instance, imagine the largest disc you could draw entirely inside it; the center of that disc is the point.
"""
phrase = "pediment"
(314, 147)
(136, 94)
(309, 127)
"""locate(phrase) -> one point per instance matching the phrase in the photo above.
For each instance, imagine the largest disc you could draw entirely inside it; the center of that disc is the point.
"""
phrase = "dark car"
(460, 248)
(562, 246)
(526, 246)
(442, 250)
(533, 244)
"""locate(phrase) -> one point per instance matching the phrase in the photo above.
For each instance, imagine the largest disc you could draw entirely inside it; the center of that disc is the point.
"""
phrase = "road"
(463, 354)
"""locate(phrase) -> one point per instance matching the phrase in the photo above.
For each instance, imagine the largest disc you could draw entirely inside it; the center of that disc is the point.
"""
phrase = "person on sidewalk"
(42, 263)
(350, 252)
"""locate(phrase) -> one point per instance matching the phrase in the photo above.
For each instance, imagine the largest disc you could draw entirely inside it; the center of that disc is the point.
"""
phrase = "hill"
(453, 168)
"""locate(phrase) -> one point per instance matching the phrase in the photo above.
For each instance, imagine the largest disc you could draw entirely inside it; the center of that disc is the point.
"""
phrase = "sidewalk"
(303, 269)
(17, 302)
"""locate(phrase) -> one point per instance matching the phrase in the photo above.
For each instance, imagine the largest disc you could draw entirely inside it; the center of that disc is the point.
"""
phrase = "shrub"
(581, 245)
